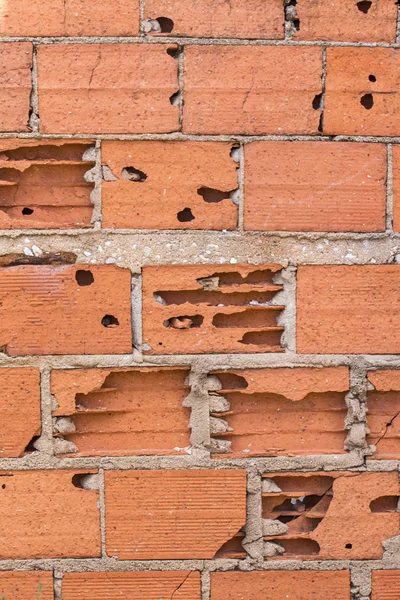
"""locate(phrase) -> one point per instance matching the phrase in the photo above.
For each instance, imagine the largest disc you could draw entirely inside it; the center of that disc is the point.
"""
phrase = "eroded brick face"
(383, 413)
(16, 83)
(26, 584)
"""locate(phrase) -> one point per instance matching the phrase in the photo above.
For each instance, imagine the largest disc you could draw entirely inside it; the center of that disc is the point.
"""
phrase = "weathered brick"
(281, 585)
(213, 308)
(69, 309)
(19, 410)
(315, 186)
(272, 412)
(112, 412)
(385, 585)
(168, 185)
(236, 18)
(251, 89)
(150, 585)
(383, 413)
(69, 18)
(42, 184)
(18, 585)
(330, 516)
(346, 21)
(361, 91)
(195, 512)
(396, 187)
(15, 85)
(107, 88)
(348, 309)
(44, 514)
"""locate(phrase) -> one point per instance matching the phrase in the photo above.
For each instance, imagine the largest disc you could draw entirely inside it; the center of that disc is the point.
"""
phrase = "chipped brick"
(217, 308)
(15, 85)
(150, 585)
(196, 512)
(116, 412)
(385, 585)
(45, 515)
(274, 412)
(44, 310)
(383, 414)
(228, 88)
(19, 585)
(348, 309)
(107, 88)
(314, 507)
(175, 175)
(315, 186)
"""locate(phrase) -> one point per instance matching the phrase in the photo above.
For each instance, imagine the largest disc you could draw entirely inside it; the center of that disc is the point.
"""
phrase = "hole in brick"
(349, 546)
(367, 101)
(247, 318)
(364, 6)
(166, 24)
(184, 322)
(230, 381)
(175, 98)
(59, 258)
(185, 215)
(174, 52)
(109, 321)
(384, 504)
(27, 211)
(234, 278)
(262, 338)
(84, 278)
(177, 297)
(3, 487)
(78, 480)
(31, 446)
(232, 548)
(133, 174)
(211, 195)
(298, 547)
(372, 78)
(316, 103)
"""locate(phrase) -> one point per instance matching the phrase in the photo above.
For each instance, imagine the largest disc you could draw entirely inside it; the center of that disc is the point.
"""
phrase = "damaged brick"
(384, 414)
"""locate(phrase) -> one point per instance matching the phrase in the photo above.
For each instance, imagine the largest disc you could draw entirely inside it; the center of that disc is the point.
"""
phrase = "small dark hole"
(185, 215)
(3, 486)
(367, 101)
(349, 546)
(133, 174)
(174, 52)
(109, 321)
(84, 277)
(296, 23)
(166, 24)
(364, 6)
(27, 211)
(372, 78)
(174, 99)
(316, 103)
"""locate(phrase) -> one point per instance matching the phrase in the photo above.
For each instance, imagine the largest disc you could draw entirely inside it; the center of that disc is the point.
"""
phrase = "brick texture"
(26, 584)
(385, 585)
(383, 413)
(15, 82)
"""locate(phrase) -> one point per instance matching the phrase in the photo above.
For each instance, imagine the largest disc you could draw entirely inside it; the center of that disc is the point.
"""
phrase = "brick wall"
(199, 300)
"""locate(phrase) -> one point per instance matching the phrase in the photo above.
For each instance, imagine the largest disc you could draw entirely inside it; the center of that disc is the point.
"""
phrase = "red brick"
(15, 85)
(348, 309)
(150, 585)
(213, 308)
(281, 585)
(173, 174)
(107, 88)
(19, 410)
(383, 414)
(42, 184)
(195, 512)
(350, 92)
(251, 89)
(396, 187)
(346, 22)
(315, 186)
(333, 516)
(44, 515)
(385, 585)
(70, 18)
(274, 412)
(114, 412)
(45, 310)
(19, 585)
(237, 18)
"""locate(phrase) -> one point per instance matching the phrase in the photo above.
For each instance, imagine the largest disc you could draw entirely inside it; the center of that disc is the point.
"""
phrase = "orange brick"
(281, 585)
(383, 414)
(19, 410)
(385, 585)
(114, 412)
(396, 187)
(315, 186)
(236, 18)
(274, 412)
(107, 88)
(150, 585)
(68, 309)
(348, 309)
(213, 308)
(26, 584)
(251, 89)
(69, 18)
(44, 515)
(347, 21)
(15, 85)
(195, 512)
(361, 91)
(190, 180)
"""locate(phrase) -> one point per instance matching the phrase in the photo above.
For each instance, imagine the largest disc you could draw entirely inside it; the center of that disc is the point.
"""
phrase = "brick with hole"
(281, 585)
(213, 308)
(233, 19)
(357, 21)
(32, 585)
(66, 309)
(49, 514)
(173, 514)
(383, 402)
(385, 585)
(15, 86)
(361, 91)
(107, 88)
(252, 89)
(315, 186)
(169, 185)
